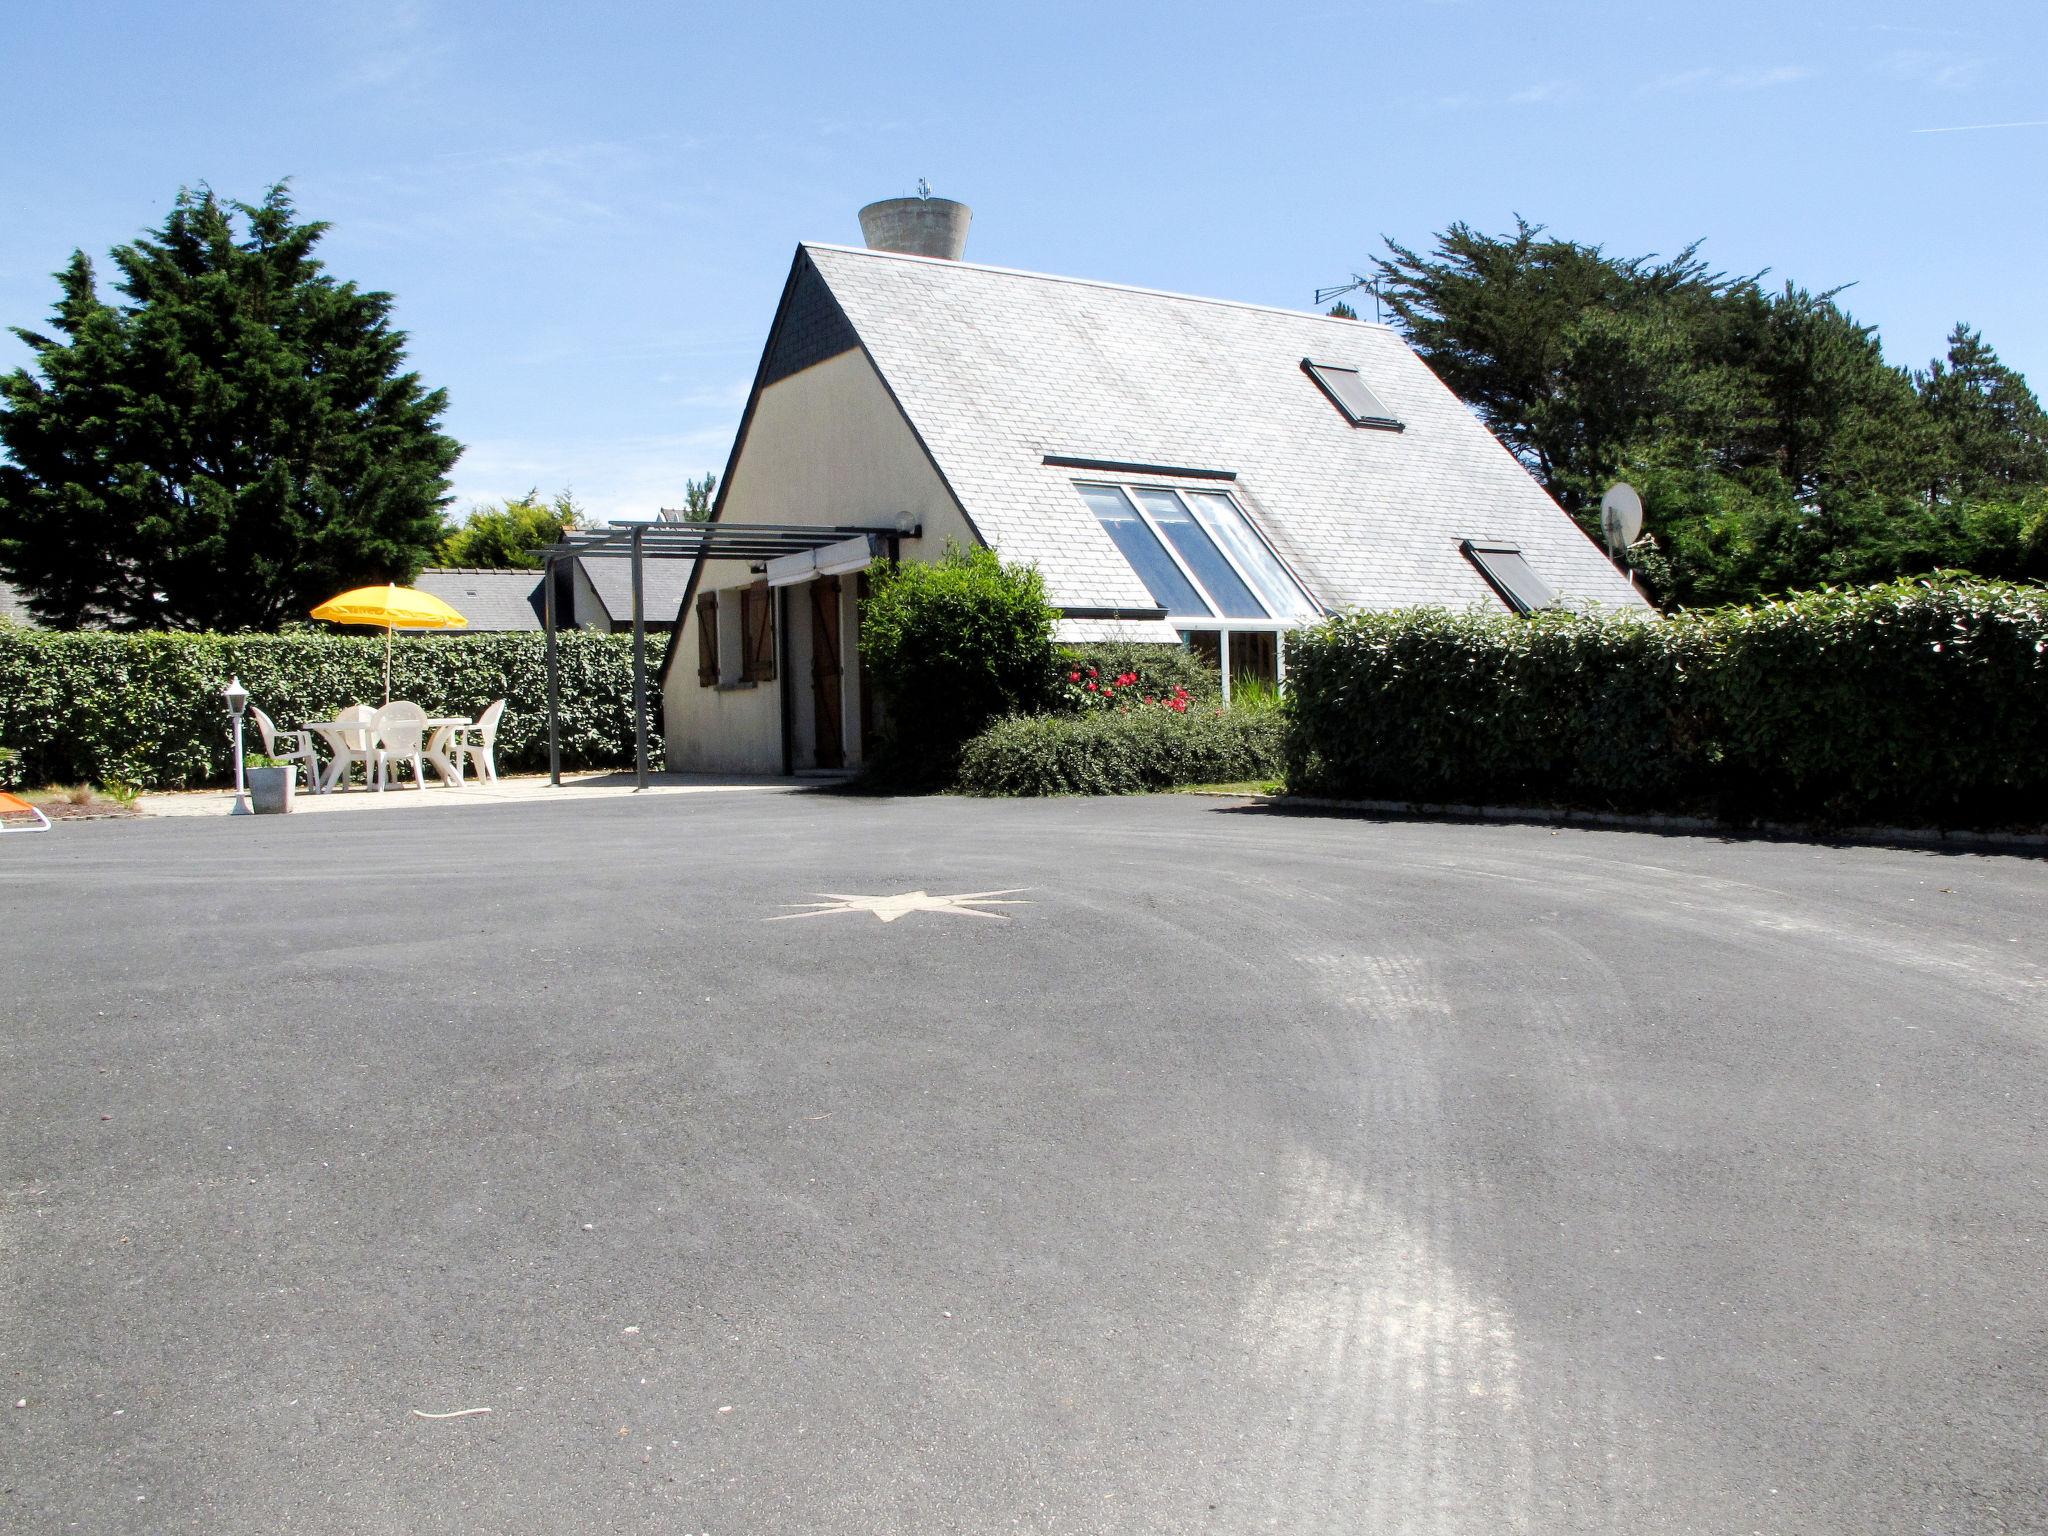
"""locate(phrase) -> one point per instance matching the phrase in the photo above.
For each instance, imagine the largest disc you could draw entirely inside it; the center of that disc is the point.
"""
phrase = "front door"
(826, 703)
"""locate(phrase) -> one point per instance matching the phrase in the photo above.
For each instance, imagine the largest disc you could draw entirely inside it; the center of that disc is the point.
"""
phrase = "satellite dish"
(1621, 516)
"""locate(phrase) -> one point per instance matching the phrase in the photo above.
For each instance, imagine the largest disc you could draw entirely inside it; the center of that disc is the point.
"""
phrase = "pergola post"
(547, 604)
(639, 669)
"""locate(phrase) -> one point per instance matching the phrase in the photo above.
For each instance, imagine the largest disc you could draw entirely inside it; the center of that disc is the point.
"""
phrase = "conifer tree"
(233, 442)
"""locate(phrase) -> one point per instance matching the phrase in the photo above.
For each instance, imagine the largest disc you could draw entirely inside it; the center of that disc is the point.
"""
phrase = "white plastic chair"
(292, 746)
(398, 733)
(350, 745)
(477, 745)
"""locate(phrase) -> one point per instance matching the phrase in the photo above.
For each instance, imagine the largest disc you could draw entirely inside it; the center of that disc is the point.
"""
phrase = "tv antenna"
(924, 189)
(1358, 281)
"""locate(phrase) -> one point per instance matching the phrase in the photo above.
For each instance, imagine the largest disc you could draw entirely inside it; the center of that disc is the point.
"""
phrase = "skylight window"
(1348, 390)
(1510, 575)
(1199, 556)
(1226, 523)
(1168, 584)
(1219, 579)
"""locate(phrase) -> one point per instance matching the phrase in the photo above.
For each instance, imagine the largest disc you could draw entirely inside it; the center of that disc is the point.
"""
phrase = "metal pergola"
(665, 540)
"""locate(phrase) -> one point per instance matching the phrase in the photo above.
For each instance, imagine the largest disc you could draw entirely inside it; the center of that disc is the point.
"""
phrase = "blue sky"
(586, 211)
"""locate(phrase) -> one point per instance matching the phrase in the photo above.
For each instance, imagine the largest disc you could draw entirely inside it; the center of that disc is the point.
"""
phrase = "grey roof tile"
(998, 369)
(489, 599)
(662, 585)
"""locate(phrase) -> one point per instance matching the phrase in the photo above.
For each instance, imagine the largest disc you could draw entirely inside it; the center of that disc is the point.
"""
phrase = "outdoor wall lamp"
(238, 700)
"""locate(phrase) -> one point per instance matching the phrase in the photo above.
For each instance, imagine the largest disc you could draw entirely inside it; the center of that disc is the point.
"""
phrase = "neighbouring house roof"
(662, 587)
(14, 604)
(997, 370)
(489, 599)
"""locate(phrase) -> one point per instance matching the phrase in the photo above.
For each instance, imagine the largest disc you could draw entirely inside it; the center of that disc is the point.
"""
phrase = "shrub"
(951, 645)
(1921, 702)
(1121, 753)
(145, 709)
(1160, 668)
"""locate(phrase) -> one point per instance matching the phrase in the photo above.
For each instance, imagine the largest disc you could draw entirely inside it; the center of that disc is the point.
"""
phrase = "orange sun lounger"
(17, 815)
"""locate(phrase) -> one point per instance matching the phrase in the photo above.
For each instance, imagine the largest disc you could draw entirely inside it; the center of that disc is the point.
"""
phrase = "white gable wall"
(825, 446)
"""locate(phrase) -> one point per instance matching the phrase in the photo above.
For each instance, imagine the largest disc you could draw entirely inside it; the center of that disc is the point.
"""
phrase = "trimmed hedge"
(1115, 753)
(1922, 702)
(145, 709)
(951, 644)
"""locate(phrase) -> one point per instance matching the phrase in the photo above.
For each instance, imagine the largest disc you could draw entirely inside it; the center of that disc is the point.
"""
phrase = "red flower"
(1148, 698)
(1091, 688)
(1127, 679)
(1073, 677)
(1091, 672)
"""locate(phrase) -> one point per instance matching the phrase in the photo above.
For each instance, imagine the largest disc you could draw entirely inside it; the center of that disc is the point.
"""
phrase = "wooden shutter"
(757, 612)
(825, 673)
(707, 640)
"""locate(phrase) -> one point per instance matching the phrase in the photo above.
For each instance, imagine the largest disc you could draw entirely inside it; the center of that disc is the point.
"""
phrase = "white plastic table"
(438, 727)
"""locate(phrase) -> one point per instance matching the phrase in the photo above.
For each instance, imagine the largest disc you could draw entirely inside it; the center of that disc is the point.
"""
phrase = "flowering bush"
(1159, 668)
(1086, 688)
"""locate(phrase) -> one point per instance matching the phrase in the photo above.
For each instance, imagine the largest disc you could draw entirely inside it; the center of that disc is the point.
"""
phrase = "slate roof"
(14, 604)
(996, 369)
(662, 587)
(489, 599)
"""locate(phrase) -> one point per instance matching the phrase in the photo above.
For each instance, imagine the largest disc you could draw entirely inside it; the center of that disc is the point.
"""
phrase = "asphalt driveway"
(1211, 1170)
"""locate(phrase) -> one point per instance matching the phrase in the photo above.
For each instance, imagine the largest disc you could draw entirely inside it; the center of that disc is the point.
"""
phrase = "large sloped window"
(1199, 556)
(1170, 515)
(1226, 524)
(1168, 584)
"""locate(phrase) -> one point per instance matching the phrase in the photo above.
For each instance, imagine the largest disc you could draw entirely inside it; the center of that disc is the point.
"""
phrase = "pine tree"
(1993, 433)
(233, 443)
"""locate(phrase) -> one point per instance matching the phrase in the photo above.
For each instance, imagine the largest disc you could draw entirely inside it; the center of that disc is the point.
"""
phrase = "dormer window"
(1349, 392)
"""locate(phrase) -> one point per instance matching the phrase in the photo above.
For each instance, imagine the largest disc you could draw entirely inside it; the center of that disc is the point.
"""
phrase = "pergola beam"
(696, 542)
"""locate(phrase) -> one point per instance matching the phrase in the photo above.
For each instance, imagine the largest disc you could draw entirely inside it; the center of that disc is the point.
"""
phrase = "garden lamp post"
(238, 700)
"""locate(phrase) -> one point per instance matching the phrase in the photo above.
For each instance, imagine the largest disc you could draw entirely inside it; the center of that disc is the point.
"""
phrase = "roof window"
(1350, 393)
(1198, 554)
(1510, 575)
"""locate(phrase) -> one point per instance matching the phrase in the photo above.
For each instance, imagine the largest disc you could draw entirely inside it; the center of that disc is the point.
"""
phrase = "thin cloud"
(1942, 71)
(1545, 93)
(1985, 127)
(1729, 81)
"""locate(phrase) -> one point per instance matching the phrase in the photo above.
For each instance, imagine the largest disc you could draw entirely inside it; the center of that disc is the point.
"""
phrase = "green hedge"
(1923, 702)
(1122, 754)
(951, 644)
(146, 709)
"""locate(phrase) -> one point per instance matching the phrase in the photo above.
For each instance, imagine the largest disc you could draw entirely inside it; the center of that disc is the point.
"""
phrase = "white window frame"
(1278, 628)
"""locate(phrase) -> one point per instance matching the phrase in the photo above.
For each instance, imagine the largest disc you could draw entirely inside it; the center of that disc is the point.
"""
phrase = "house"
(1179, 469)
(590, 594)
(14, 607)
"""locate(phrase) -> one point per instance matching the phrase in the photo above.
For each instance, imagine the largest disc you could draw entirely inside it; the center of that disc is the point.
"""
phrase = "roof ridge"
(480, 570)
(1088, 282)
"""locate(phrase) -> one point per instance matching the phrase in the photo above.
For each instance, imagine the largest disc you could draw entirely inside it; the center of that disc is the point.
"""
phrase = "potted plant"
(271, 781)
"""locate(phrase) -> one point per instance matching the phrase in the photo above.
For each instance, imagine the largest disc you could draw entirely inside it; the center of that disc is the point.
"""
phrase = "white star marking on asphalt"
(889, 908)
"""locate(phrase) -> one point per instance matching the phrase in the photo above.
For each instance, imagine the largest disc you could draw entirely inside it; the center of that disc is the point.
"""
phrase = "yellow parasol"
(390, 608)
